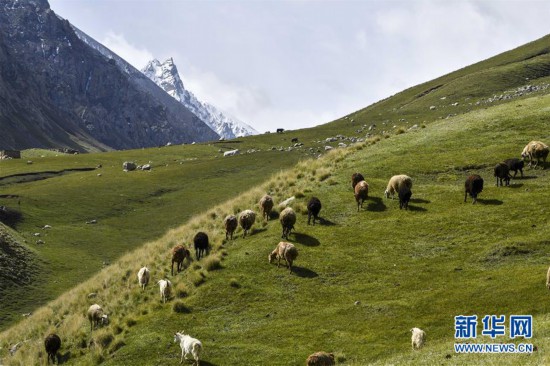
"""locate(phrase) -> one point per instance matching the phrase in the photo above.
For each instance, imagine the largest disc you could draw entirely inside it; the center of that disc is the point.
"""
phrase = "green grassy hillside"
(362, 279)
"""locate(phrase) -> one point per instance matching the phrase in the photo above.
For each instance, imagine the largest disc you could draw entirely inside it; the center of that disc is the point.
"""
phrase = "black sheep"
(473, 186)
(502, 171)
(52, 343)
(201, 244)
(515, 164)
(404, 196)
(356, 178)
(313, 208)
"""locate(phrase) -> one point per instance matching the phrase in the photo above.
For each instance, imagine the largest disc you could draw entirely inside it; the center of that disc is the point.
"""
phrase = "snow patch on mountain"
(167, 77)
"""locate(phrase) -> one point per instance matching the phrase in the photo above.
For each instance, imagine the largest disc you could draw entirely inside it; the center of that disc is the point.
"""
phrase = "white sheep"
(232, 152)
(395, 183)
(189, 345)
(287, 219)
(246, 220)
(418, 338)
(535, 150)
(143, 277)
(165, 289)
(96, 316)
(286, 251)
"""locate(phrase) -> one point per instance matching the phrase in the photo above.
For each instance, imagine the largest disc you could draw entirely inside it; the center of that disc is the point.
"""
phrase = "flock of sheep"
(535, 151)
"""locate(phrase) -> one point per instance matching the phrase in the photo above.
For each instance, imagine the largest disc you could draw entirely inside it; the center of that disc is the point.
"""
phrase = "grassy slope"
(440, 156)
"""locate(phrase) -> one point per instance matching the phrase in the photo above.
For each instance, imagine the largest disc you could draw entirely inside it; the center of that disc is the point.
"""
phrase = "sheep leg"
(465, 195)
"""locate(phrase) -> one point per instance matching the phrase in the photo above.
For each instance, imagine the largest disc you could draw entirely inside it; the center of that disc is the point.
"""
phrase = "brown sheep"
(246, 220)
(286, 251)
(361, 193)
(179, 253)
(356, 178)
(287, 219)
(320, 359)
(266, 204)
(473, 186)
(230, 223)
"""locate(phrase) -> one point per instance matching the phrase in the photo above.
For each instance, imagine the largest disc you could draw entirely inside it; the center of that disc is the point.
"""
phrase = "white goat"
(143, 277)
(188, 345)
(165, 289)
(418, 338)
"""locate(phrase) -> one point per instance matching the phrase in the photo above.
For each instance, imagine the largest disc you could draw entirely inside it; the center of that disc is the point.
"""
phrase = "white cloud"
(137, 57)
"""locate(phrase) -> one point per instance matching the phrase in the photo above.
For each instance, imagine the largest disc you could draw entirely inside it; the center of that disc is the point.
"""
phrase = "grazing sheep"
(230, 223)
(165, 287)
(286, 251)
(535, 150)
(189, 345)
(179, 253)
(395, 182)
(502, 171)
(361, 193)
(320, 359)
(246, 220)
(418, 338)
(515, 164)
(266, 204)
(201, 244)
(52, 343)
(143, 277)
(287, 219)
(313, 208)
(548, 279)
(356, 178)
(232, 152)
(473, 186)
(96, 316)
(404, 197)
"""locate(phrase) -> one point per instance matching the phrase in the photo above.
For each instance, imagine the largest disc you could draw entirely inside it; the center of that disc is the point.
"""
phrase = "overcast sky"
(296, 64)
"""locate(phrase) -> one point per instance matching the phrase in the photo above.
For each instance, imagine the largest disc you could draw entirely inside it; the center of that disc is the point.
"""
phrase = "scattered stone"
(36, 234)
(91, 295)
(128, 166)
(146, 167)
(328, 148)
(46, 227)
(432, 108)
(91, 222)
(357, 303)
(26, 315)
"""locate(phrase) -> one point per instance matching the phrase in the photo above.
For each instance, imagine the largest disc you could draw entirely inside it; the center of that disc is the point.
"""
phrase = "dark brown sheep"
(515, 164)
(200, 241)
(404, 196)
(52, 343)
(502, 172)
(313, 209)
(320, 359)
(179, 253)
(473, 186)
(230, 223)
(356, 178)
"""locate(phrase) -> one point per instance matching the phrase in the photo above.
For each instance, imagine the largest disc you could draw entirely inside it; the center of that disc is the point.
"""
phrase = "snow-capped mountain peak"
(167, 77)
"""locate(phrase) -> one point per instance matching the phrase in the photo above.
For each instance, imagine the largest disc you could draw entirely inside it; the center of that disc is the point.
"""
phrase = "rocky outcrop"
(57, 91)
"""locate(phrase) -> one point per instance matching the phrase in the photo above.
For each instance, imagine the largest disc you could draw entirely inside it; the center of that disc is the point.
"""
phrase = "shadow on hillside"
(417, 208)
(306, 240)
(490, 202)
(62, 358)
(206, 363)
(419, 200)
(274, 215)
(257, 231)
(516, 185)
(326, 222)
(376, 204)
(526, 177)
(304, 272)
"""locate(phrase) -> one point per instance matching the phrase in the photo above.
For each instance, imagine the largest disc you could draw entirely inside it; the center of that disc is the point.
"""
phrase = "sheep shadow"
(516, 185)
(257, 231)
(273, 215)
(490, 202)
(417, 208)
(526, 177)
(326, 222)
(304, 272)
(376, 204)
(419, 200)
(63, 358)
(206, 363)
(306, 240)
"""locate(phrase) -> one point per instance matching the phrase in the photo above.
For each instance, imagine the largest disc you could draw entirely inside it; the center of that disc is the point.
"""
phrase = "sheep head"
(272, 256)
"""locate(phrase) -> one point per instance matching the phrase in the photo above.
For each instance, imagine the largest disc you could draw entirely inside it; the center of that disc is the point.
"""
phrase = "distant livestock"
(418, 338)
(230, 223)
(143, 277)
(395, 182)
(515, 164)
(165, 287)
(535, 150)
(404, 196)
(231, 152)
(295, 139)
(287, 219)
(246, 220)
(266, 205)
(52, 344)
(320, 359)
(361, 193)
(179, 253)
(280, 130)
(200, 241)
(502, 172)
(189, 345)
(356, 178)
(286, 251)
(473, 186)
(96, 316)
(313, 209)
